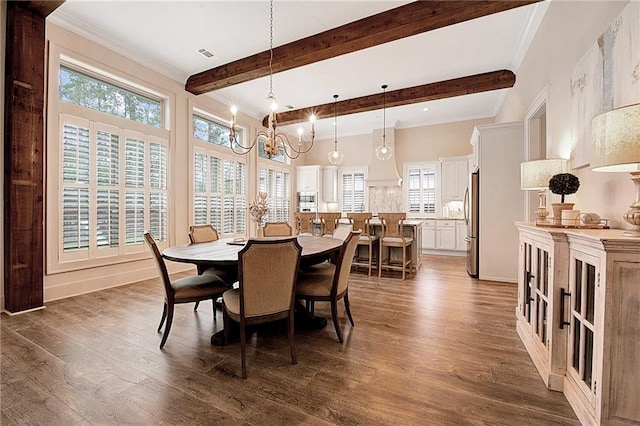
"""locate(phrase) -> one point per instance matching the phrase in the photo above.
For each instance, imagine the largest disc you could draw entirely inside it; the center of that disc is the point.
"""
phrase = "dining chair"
(328, 282)
(267, 271)
(393, 237)
(277, 229)
(183, 290)
(204, 234)
(367, 243)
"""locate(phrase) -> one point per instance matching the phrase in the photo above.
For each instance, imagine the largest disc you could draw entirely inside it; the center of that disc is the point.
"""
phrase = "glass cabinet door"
(583, 279)
(535, 290)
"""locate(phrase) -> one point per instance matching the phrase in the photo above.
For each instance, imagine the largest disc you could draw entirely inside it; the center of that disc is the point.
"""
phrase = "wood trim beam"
(478, 83)
(43, 8)
(400, 22)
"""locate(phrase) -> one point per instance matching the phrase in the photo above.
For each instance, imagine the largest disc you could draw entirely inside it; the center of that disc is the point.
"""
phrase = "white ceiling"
(165, 35)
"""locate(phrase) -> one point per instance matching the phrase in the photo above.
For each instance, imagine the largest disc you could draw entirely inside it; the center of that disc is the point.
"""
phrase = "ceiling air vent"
(204, 52)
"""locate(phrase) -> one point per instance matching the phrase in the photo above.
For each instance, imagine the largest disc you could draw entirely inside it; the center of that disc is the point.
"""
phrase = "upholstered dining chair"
(328, 282)
(393, 237)
(277, 229)
(267, 271)
(204, 234)
(368, 242)
(183, 290)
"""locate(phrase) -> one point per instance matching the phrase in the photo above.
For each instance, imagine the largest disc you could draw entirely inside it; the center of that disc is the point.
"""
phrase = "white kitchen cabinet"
(461, 234)
(429, 234)
(308, 179)
(577, 314)
(445, 235)
(330, 184)
(454, 178)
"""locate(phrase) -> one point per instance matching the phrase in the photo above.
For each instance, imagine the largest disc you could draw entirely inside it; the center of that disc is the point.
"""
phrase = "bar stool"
(393, 237)
(329, 222)
(304, 222)
(367, 241)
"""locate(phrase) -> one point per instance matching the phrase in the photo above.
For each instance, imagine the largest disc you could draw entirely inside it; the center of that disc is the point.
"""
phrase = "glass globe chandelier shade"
(384, 152)
(274, 142)
(335, 157)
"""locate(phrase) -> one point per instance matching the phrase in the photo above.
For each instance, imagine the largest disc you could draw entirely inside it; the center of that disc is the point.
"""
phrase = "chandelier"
(274, 142)
(335, 156)
(384, 152)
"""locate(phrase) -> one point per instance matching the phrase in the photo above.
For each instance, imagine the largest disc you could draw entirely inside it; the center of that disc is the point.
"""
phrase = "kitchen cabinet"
(445, 235)
(454, 178)
(577, 311)
(308, 179)
(330, 184)
(461, 234)
(429, 234)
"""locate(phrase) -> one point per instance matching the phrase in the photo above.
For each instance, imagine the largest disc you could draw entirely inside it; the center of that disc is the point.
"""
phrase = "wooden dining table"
(223, 254)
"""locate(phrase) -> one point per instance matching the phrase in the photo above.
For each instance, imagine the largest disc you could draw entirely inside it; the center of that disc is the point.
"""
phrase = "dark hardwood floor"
(439, 348)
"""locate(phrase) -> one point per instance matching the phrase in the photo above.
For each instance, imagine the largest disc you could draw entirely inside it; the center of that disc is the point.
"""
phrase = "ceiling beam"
(43, 7)
(400, 22)
(478, 83)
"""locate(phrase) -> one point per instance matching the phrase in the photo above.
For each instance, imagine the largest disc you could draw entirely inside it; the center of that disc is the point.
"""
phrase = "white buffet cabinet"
(444, 236)
(577, 315)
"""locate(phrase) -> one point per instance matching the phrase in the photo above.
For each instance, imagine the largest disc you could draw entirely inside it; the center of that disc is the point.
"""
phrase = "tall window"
(219, 179)
(113, 187)
(276, 183)
(352, 191)
(420, 189)
(112, 165)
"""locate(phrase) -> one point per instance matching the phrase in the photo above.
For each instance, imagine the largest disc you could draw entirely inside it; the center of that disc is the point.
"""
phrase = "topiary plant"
(564, 184)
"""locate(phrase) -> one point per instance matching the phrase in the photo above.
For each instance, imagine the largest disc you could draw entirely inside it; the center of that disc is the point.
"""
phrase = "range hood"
(383, 173)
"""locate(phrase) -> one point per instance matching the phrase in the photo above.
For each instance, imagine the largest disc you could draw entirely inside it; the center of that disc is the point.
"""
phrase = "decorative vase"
(557, 211)
(258, 229)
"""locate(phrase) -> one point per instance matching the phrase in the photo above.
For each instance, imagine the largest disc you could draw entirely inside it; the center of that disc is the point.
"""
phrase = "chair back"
(277, 229)
(329, 221)
(343, 231)
(392, 224)
(162, 267)
(304, 222)
(360, 221)
(343, 264)
(267, 271)
(202, 233)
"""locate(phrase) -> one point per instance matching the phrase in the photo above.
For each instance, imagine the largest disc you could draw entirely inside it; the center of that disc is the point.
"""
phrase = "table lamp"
(616, 148)
(535, 175)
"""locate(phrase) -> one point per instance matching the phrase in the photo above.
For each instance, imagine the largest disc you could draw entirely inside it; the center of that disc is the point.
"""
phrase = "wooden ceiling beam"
(43, 7)
(400, 22)
(478, 83)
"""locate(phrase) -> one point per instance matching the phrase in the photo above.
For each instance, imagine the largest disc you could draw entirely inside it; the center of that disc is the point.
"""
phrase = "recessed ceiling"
(166, 36)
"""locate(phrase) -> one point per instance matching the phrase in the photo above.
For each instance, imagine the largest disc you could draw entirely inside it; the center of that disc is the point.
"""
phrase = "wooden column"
(24, 155)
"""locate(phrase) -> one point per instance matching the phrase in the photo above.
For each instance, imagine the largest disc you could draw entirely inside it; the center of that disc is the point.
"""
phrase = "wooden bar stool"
(368, 242)
(393, 237)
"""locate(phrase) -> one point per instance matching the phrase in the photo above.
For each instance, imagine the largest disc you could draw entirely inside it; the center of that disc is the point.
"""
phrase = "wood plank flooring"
(436, 349)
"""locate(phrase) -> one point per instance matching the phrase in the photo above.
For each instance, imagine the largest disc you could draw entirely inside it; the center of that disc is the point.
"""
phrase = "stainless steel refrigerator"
(471, 218)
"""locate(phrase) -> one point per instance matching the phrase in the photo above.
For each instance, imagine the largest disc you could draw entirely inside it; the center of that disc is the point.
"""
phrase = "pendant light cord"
(271, 48)
(335, 122)
(384, 115)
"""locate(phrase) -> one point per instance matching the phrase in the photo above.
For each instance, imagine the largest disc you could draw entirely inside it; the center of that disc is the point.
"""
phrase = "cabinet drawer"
(428, 223)
(446, 223)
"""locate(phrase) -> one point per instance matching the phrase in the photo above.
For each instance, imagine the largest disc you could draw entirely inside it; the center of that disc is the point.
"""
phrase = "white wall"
(3, 33)
(567, 31)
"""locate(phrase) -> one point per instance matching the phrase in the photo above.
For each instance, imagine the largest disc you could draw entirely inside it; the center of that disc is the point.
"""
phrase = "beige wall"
(567, 31)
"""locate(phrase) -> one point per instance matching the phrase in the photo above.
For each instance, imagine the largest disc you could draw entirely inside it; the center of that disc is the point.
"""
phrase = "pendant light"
(384, 152)
(335, 156)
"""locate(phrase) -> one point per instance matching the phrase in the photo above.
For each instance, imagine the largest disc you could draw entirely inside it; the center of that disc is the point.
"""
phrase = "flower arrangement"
(258, 208)
(564, 184)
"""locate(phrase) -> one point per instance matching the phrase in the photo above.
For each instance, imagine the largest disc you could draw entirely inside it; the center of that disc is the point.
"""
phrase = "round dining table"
(223, 254)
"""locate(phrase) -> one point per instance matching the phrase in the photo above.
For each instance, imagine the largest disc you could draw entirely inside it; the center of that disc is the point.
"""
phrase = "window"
(280, 158)
(113, 187)
(210, 131)
(84, 90)
(352, 191)
(276, 183)
(420, 189)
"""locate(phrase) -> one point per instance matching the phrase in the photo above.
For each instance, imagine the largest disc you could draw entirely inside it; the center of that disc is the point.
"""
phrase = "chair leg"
(380, 254)
(226, 324)
(195, 308)
(164, 316)
(290, 331)
(404, 261)
(334, 314)
(243, 350)
(213, 303)
(347, 307)
(167, 327)
(370, 258)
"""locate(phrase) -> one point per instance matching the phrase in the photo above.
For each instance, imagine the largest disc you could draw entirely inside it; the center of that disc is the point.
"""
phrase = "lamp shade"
(616, 140)
(536, 174)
